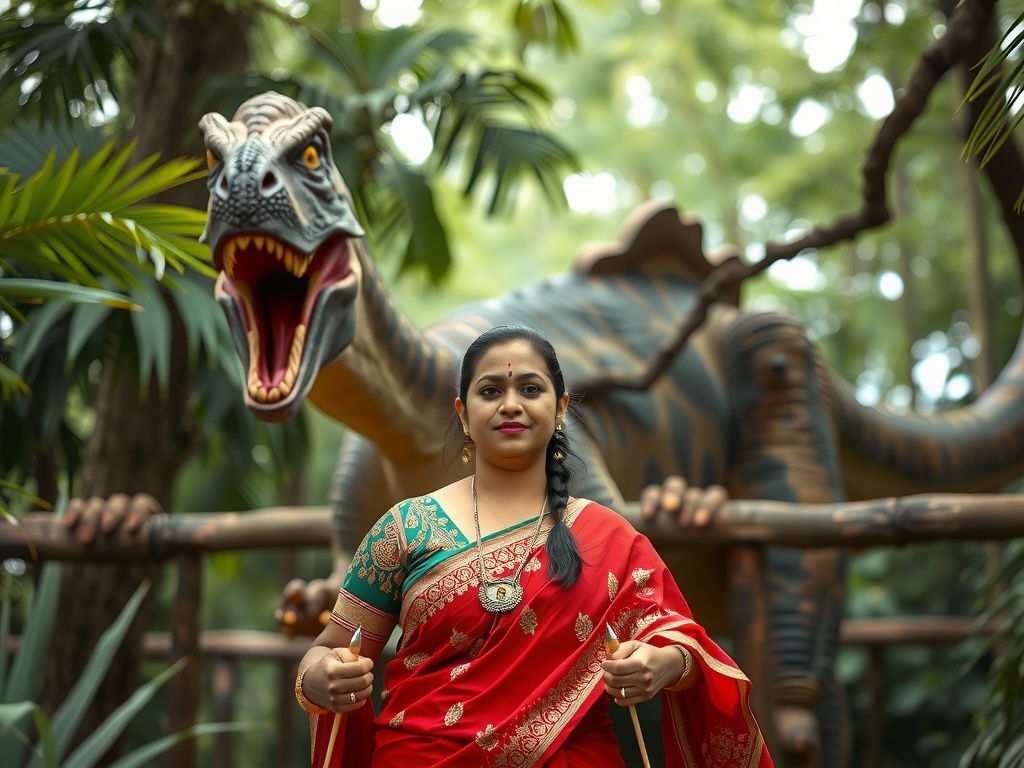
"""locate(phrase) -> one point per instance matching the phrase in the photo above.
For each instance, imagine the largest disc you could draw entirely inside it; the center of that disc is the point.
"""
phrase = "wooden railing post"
(225, 682)
(183, 688)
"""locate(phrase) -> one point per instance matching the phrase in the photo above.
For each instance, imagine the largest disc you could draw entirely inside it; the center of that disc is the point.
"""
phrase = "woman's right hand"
(339, 681)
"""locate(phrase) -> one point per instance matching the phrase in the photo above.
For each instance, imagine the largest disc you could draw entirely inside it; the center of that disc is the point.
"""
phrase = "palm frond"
(1000, 722)
(544, 22)
(413, 214)
(1004, 89)
(25, 145)
(56, 51)
(36, 291)
(74, 221)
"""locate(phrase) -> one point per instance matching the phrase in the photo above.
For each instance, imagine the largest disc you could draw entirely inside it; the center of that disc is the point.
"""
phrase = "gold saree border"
(529, 736)
(756, 740)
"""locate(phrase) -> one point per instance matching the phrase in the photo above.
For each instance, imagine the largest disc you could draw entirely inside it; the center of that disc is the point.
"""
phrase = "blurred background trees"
(752, 115)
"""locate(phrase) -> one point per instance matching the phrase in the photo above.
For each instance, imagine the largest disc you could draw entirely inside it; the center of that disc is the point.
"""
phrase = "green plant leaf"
(152, 336)
(14, 713)
(11, 384)
(95, 746)
(31, 337)
(146, 754)
(27, 668)
(77, 221)
(32, 290)
(84, 322)
(69, 714)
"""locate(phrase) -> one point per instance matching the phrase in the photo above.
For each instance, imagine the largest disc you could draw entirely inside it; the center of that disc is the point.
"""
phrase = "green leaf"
(40, 290)
(13, 713)
(84, 322)
(152, 336)
(428, 243)
(11, 384)
(99, 741)
(30, 338)
(27, 668)
(69, 714)
(145, 755)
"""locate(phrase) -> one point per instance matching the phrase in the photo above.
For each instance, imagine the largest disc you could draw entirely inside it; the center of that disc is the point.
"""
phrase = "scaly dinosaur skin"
(747, 404)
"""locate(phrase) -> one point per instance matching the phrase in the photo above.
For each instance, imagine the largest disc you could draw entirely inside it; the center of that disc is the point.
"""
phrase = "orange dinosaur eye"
(211, 160)
(311, 157)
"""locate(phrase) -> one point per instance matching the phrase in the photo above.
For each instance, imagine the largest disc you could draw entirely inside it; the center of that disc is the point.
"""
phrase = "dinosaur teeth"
(229, 258)
(257, 390)
(296, 263)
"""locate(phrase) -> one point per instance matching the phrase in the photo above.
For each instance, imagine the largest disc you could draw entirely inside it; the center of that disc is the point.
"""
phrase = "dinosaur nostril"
(269, 184)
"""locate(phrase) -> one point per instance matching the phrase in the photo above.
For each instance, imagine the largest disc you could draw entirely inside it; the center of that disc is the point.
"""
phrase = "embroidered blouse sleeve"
(371, 595)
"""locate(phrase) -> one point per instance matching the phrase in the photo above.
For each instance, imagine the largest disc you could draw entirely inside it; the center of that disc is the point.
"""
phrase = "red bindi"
(510, 370)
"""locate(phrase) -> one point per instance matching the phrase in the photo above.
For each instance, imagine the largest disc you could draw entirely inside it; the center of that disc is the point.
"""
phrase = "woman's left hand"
(637, 671)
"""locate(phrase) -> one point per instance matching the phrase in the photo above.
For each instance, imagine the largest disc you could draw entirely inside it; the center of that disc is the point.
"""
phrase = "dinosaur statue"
(747, 403)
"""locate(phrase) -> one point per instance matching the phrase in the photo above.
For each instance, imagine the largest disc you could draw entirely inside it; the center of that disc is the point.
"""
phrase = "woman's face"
(511, 408)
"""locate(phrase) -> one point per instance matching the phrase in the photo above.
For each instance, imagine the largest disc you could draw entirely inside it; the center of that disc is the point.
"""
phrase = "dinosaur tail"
(975, 449)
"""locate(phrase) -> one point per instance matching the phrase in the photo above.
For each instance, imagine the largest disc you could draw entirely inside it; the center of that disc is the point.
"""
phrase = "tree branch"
(966, 26)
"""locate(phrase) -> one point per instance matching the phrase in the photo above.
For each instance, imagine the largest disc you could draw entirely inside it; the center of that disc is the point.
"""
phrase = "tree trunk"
(141, 439)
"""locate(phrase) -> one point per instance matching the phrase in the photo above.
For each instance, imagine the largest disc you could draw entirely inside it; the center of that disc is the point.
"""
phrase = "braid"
(565, 563)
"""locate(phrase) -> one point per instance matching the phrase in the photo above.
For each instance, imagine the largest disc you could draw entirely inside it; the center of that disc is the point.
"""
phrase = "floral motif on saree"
(453, 714)
(584, 627)
(528, 620)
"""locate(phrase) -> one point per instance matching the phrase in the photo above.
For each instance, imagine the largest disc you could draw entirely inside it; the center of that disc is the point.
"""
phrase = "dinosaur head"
(283, 233)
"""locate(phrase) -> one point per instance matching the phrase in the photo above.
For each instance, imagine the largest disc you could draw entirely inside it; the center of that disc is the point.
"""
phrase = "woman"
(503, 586)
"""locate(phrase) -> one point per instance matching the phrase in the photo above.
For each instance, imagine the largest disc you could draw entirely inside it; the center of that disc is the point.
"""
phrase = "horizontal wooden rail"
(888, 521)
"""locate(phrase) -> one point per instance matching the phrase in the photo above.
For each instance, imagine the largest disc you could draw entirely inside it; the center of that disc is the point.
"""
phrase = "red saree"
(468, 688)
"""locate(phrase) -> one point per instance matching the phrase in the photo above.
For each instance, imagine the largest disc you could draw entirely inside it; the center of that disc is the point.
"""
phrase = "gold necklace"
(502, 595)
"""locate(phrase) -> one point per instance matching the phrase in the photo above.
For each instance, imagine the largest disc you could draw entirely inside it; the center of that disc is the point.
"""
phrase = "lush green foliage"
(50, 745)
(79, 243)
(999, 74)
(1000, 722)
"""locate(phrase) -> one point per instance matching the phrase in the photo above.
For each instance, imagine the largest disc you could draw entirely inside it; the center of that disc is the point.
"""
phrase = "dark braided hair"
(565, 563)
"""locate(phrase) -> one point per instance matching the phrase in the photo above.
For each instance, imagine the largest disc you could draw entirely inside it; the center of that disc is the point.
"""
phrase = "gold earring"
(467, 450)
(558, 455)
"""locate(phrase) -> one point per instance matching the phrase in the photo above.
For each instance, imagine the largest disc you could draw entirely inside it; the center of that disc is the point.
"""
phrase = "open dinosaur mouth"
(277, 288)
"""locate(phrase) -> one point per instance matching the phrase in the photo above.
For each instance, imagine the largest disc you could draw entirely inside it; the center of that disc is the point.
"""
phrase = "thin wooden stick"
(611, 642)
(354, 646)
(639, 736)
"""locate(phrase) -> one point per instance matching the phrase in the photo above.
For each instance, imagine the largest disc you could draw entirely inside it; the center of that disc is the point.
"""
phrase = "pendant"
(500, 596)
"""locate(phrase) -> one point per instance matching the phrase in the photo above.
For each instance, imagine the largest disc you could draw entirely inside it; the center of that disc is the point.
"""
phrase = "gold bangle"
(687, 664)
(305, 703)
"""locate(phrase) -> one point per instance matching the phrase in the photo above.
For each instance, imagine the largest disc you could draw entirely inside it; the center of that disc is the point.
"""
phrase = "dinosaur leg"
(785, 451)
